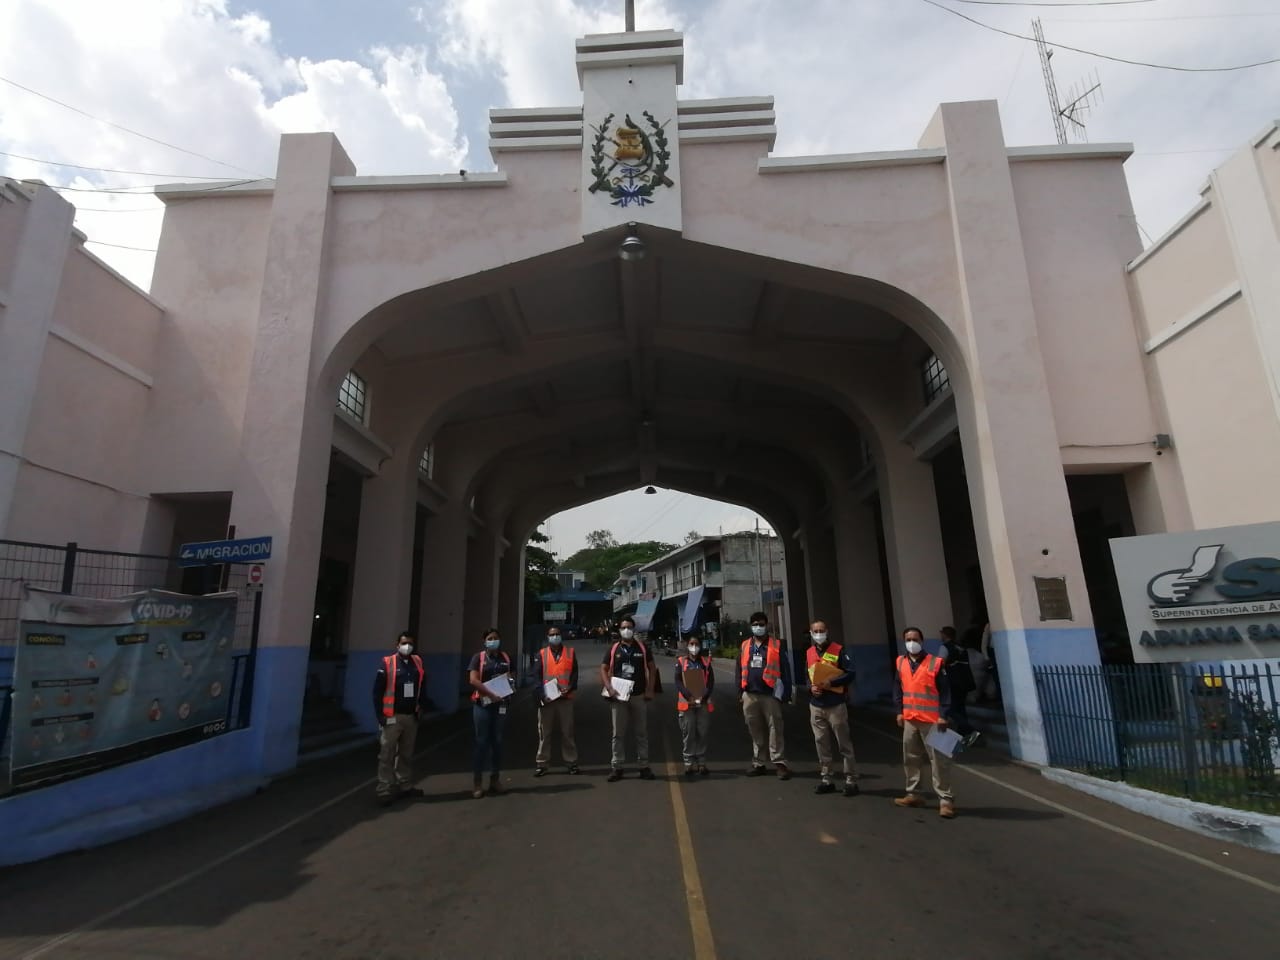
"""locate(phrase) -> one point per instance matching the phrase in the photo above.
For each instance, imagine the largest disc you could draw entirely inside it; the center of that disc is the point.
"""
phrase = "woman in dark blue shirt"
(488, 712)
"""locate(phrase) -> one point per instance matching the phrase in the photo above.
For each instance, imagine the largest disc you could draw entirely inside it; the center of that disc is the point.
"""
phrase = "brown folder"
(695, 681)
(823, 671)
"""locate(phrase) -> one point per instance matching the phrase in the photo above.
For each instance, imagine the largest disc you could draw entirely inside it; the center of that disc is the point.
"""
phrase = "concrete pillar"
(913, 543)
(821, 578)
(510, 603)
(381, 580)
(1022, 515)
(441, 642)
(284, 450)
(27, 301)
(484, 550)
(795, 591)
(862, 596)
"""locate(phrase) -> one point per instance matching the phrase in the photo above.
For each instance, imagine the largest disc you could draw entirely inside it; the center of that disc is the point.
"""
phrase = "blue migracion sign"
(252, 550)
(99, 682)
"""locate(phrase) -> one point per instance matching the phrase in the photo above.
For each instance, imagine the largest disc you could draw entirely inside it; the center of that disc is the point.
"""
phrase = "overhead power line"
(1101, 56)
(145, 189)
(122, 246)
(81, 166)
(124, 129)
(1055, 3)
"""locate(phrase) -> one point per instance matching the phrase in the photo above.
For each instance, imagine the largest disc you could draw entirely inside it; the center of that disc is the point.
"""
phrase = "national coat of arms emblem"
(629, 162)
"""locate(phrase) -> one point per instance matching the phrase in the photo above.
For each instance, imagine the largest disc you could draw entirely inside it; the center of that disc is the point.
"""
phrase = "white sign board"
(1202, 595)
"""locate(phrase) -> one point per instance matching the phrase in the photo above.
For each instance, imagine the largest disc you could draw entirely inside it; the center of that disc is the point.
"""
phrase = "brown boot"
(495, 785)
(910, 800)
(947, 810)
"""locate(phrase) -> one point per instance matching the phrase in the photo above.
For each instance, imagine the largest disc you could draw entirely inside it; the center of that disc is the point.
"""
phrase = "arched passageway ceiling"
(712, 303)
(695, 401)
(766, 468)
(554, 498)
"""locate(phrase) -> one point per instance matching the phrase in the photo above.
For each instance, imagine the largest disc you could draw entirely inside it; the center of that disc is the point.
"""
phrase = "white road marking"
(1079, 815)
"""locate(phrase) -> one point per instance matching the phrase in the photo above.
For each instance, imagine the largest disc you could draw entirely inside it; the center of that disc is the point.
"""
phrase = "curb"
(1259, 831)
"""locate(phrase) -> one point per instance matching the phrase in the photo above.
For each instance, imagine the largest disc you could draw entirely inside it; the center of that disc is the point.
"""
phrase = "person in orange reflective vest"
(558, 663)
(398, 692)
(693, 710)
(922, 697)
(488, 712)
(829, 707)
(764, 677)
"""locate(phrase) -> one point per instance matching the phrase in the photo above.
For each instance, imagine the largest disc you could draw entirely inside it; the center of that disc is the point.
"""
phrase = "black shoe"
(757, 770)
(615, 775)
(646, 773)
(573, 769)
(826, 786)
(851, 788)
(702, 769)
(690, 770)
(783, 772)
(411, 793)
(385, 799)
(539, 771)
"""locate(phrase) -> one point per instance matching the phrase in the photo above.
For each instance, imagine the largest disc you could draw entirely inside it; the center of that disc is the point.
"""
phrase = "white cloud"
(189, 73)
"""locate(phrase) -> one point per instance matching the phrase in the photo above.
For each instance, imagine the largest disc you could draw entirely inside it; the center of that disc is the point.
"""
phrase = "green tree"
(601, 540)
(600, 564)
(691, 536)
(539, 574)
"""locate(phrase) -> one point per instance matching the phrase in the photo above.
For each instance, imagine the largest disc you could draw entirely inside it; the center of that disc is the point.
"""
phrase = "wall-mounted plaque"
(1054, 602)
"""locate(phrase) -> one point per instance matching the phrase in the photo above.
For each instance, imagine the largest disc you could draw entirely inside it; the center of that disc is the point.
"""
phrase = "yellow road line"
(1079, 815)
(704, 946)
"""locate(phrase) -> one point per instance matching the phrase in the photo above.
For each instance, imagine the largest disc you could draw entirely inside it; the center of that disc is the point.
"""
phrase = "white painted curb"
(1257, 830)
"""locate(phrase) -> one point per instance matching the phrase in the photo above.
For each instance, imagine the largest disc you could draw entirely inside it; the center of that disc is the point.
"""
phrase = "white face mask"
(555, 639)
(914, 647)
(694, 649)
(627, 633)
(759, 630)
(406, 649)
(818, 638)
(492, 644)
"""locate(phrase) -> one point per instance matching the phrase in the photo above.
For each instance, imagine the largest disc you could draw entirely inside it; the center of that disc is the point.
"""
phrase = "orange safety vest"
(681, 703)
(831, 654)
(772, 662)
(558, 670)
(920, 698)
(613, 652)
(389, 694)
(475, 694)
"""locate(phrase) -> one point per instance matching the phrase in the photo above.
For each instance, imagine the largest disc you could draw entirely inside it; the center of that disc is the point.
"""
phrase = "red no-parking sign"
(256, 573)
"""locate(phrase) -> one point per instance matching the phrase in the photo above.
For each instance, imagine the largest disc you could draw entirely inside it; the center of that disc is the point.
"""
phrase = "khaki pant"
(828, 722)
(913, 754)
(695, 724)
(632, 713)
(763, 711)
(557, 713)
(395, 753)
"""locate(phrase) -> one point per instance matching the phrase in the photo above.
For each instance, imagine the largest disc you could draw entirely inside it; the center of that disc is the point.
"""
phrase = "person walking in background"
(629, 659)
(764, 677)
(922, 697)
(693, 704)
(831, 673)
(398, 691)
(960, 679)
(488, 712)
(558, 663)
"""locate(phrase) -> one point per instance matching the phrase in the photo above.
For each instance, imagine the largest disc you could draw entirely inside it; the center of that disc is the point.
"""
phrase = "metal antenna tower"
(1082, 96)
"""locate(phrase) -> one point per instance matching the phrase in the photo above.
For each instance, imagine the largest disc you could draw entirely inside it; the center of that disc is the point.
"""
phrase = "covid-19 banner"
(100, 682)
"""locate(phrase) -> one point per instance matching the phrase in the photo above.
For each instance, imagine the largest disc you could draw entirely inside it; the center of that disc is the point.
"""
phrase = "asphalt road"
(575, 867)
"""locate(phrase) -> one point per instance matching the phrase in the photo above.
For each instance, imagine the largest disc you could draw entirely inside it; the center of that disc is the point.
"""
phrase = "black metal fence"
(69, 568)
(1206, 732)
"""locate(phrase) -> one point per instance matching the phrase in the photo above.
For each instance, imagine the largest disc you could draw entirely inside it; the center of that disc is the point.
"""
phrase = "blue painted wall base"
(1016, 653)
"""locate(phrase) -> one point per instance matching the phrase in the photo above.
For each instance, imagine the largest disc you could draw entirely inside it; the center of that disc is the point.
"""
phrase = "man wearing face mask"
(398, 692)
(829, 707)
(764, 676)
(631, 660)
(559, 663)
(694, 707)
(922, 697)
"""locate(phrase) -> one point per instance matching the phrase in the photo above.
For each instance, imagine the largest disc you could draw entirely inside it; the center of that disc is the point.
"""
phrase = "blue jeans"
(488, 724)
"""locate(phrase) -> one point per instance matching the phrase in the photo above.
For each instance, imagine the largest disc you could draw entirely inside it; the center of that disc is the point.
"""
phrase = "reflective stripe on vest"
(831, 654)
(920, 698)
(561, 671)
(475, 694)
(389, 695)
(772, 663)
(681, 703)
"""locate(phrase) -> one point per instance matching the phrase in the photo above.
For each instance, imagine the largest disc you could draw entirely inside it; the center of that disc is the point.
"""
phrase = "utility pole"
(759, 582)
(631, 16)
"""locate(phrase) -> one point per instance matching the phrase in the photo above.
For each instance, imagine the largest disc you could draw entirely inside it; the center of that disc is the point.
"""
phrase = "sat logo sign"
(1201, 595)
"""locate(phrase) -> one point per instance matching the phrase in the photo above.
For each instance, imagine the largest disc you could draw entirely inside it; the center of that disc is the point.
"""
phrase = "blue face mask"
(492, 644)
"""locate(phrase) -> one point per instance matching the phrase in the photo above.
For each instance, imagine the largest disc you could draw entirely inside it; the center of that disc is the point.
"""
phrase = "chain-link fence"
(69, 568)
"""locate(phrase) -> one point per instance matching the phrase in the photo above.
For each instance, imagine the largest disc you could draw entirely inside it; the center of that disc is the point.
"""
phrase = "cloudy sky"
(152, 91)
